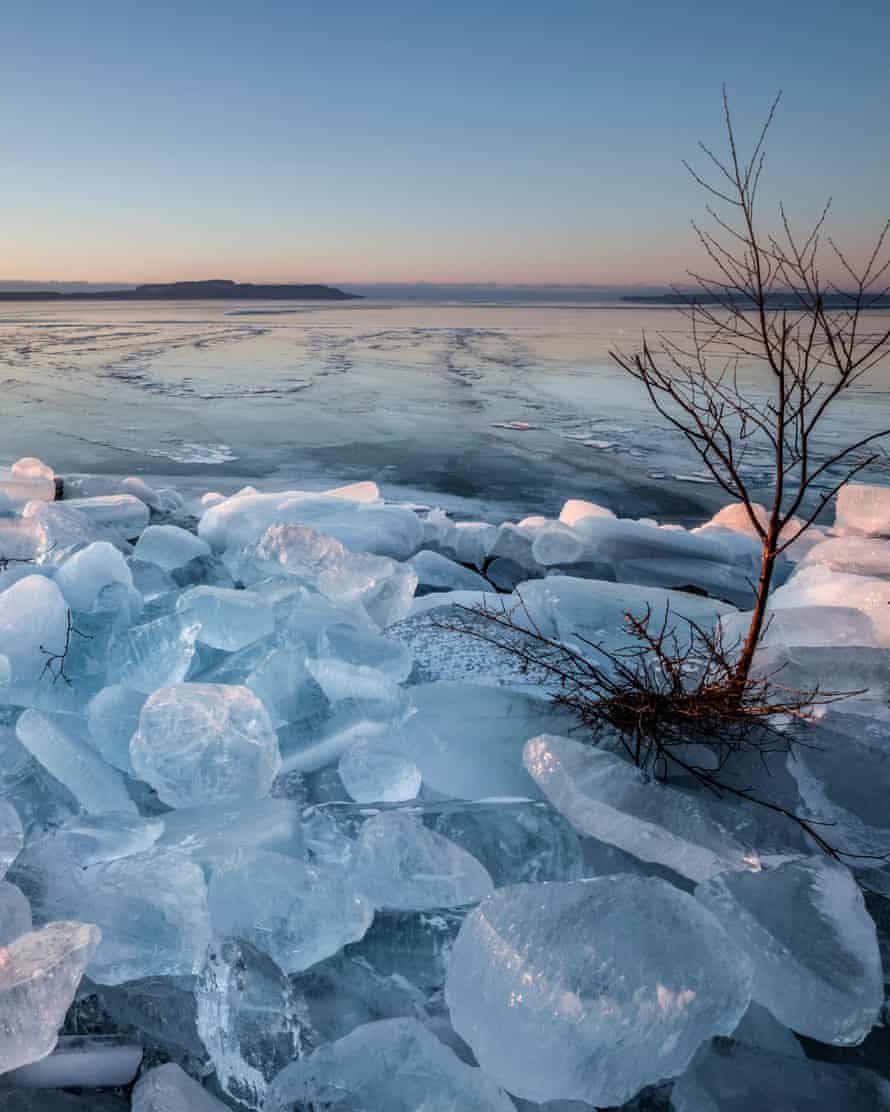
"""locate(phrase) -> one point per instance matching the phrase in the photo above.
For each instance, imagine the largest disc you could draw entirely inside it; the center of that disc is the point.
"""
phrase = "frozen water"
(248, 1019)
(21, 485)
(437, 572)
(209, 834)
(591, 990)
(281, 681)
(558, 544)
(93, 839)
(140, 489)
(338, 995)
(170, 1089)
(306, 919)
(15, 913)
(150, 580)
(39, 974)
(576, 508)
(855, 555)
(569, 609)
(226, 619)
(33, 621)
(401, 865)
(156, 654)
(81, 1061)
(296, 913)
(56, 1100)
(797, 626)
(202, 742)
(169, 547)
(162, 1009)
(362, 526)
(60, 527)
(606, 797)
(294, 550)
(467, 739)
(470, 542)
(842, 770)
(393, 1064)
(759, 1028)
(322, 562)
(29, 467)
(738, 1078)
(318, 745)
(735, 517)
(124, 513)
(12, 836)
(151, 907)
(364, 648)
(818, 585)
(863, 509)
(516, 841)
(811, 943)
(340, 680)
(113, 718)
(83, 575)
(373, 772)
(56, 741)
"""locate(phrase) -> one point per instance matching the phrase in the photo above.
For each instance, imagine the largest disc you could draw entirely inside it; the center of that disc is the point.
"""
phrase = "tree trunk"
(755, 629)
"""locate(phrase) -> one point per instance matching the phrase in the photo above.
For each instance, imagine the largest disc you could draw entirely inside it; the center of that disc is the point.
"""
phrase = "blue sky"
(534, 141)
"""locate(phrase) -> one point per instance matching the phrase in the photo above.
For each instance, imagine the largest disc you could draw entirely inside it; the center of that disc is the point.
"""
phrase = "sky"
(528, 141)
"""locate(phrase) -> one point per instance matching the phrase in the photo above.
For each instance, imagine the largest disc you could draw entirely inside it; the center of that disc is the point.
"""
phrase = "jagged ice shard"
(393, 1064)
(39, 974)
(606, 797)
(811, 943)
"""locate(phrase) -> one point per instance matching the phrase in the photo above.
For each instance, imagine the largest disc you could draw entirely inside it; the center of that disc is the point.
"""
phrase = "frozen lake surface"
(492, 409)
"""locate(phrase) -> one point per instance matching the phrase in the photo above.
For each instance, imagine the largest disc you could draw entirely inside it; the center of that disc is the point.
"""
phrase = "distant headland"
(216, 289)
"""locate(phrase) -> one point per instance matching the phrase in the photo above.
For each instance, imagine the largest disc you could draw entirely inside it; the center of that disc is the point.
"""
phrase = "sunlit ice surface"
(489, 408)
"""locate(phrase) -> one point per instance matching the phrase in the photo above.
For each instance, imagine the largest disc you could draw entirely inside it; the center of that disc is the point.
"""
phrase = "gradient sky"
(441, 140)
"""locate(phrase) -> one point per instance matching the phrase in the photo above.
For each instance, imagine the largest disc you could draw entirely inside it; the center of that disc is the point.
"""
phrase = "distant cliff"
(213, 289)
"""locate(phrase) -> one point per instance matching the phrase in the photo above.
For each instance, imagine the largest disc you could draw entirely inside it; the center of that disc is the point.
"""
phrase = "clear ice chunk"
(403, 866)
(604, 796)
(15, 913)
(372, 772)
(248, 1019)
(33, 623)
(56, 742)
(156, 654)
(593, 989)
(151, 907)
(226, 619)
(203, 742)
(862, 508)
(39, 974)
(124, 513)
(113, 718)
(170, 1089)
(82, 576)
(437, 572)
(296, 913)
(393, 1064)
(12, 836)
(812, 945)
(169, 547)
(467, 738)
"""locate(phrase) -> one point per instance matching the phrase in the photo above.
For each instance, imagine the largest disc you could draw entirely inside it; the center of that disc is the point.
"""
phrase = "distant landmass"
(776, 300)
(212, 289)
